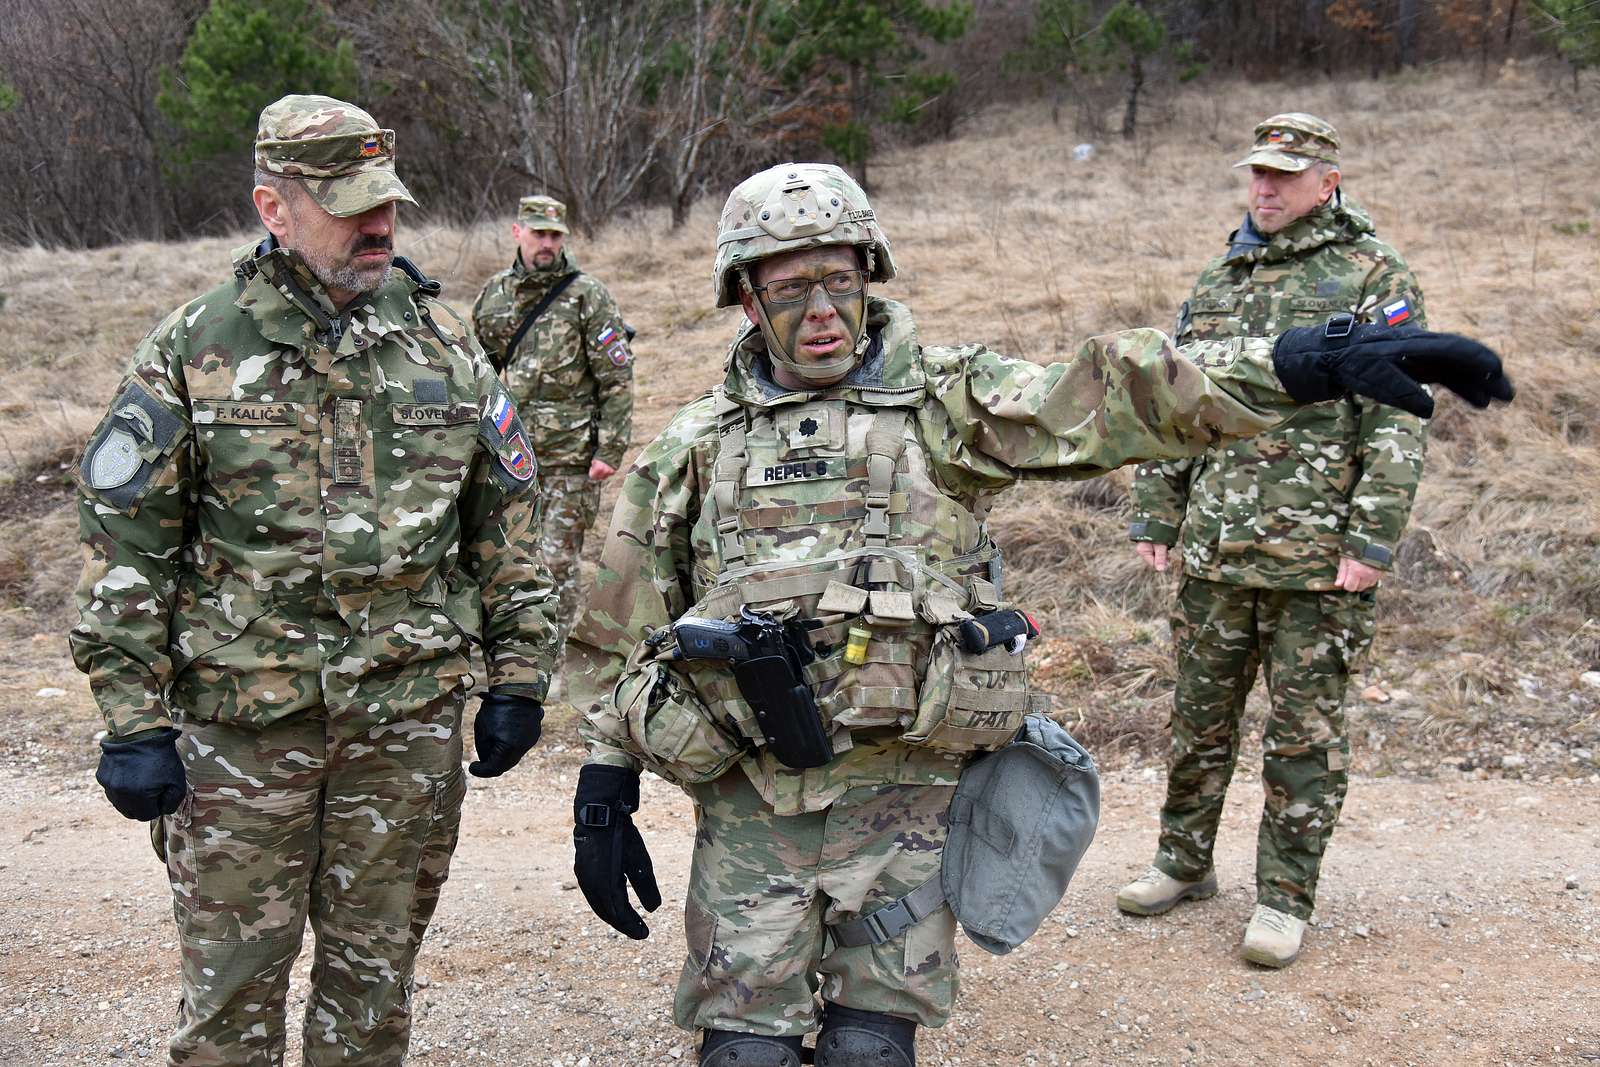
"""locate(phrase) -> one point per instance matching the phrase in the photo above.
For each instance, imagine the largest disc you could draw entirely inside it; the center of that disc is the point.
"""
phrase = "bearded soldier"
(775, 624)
(310, 495)
(556, 334)
(1285, 536)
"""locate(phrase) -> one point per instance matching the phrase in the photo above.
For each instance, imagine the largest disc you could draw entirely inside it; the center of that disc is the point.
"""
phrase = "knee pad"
(852, 1038)
(723, 1048)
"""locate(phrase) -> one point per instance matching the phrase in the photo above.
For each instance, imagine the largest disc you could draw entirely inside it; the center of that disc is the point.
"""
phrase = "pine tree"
(243, 55)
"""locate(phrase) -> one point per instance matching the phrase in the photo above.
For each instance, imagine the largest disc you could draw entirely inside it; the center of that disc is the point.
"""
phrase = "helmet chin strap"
(824, 373)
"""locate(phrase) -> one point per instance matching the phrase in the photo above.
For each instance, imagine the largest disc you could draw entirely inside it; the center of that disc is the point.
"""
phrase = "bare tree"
(573, 74)
(83, 162)
(721, 97)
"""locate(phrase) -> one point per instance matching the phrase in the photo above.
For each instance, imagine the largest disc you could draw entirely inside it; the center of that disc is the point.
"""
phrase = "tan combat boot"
(1155, 891)
(1273, 938)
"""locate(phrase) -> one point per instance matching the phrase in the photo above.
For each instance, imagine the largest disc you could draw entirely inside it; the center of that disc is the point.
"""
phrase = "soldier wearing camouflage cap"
(557, 337)
(833, 489)
(308, 499)
(1284, 538)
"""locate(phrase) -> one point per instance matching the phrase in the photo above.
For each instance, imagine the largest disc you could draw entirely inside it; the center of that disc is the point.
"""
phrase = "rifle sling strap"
(533, 315)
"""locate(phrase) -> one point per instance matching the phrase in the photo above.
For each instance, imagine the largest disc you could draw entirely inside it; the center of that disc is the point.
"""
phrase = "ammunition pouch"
(670, 730)
(971, 701)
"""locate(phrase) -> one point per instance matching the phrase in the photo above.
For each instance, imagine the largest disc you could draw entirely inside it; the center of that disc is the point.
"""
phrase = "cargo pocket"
(700, 931)
(969, 701)
(209, 618)
(672, 732)
(438, 845)
(1350, 624)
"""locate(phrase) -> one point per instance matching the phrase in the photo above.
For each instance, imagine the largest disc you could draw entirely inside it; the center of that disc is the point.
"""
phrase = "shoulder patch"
(123, 451)
(516, 457)
(503, 437)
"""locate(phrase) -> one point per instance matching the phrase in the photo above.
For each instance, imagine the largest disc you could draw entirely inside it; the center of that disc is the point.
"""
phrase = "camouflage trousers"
(353, 830)
(762, 886)
(569, 504)
(1307, 642)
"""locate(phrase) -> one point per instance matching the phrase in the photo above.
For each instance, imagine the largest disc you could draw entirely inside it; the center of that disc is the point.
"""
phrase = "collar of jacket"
(1340, 220)
(288, 306)
(889, 375)
(533, 280)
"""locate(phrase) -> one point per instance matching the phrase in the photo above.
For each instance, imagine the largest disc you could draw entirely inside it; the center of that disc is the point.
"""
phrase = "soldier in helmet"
(309, 497)
(805, 541)
(557, 337)
(1285, 537)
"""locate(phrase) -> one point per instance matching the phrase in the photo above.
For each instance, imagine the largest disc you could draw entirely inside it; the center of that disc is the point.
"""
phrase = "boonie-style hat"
(542, 213)
(1292, 142)
(336, 150)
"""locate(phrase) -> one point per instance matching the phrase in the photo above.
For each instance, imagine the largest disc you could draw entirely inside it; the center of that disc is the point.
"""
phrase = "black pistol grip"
(709, 639)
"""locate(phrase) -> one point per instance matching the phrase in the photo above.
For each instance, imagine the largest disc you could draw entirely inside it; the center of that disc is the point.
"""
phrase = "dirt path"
(1446, 935)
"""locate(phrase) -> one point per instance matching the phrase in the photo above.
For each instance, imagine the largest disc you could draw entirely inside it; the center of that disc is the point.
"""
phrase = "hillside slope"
(1002, 238)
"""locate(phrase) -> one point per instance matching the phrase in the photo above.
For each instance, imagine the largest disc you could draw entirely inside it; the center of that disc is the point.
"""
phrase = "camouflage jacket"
(286, 508)
(1338, 478)
(981, 420)
(572, 373)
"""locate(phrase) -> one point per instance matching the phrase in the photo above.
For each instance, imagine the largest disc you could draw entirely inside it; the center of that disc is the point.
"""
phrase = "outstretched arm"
(1134, 396)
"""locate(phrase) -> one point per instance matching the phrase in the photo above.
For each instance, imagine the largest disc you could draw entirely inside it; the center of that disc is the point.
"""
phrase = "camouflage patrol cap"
(1292, 142)
(790, 207)
(336, 150)
(542, 213)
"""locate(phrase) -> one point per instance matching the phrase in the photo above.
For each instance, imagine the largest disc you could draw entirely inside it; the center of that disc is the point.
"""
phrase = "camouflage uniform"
(295, 521)
(1264, 523)
(572, 377)
(909, 450)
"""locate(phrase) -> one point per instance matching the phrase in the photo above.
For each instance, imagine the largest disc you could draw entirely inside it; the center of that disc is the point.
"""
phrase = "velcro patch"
(244, 412)
(120, 460)
(433, 414)
(429, 391)
(516, 457)
(502, 413)
(618, 353)
(803, 471)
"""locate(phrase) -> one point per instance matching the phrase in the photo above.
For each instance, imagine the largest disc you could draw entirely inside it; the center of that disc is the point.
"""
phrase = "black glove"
(609, 848)
(1390, 364)
(506, 726)
(142, 777)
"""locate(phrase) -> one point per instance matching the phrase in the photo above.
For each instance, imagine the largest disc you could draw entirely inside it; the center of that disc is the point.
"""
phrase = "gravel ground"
(1458, 925)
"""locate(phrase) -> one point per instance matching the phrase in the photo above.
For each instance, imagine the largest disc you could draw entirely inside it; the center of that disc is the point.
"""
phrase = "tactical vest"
(829, 510)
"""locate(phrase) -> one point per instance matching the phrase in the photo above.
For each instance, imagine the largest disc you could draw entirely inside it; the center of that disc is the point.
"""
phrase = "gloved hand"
(142, 775)
(609, 850)
(506, 727)
(1390, 364)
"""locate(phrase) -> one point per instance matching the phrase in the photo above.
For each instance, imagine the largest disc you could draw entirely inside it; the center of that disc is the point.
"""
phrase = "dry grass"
(1487, 189)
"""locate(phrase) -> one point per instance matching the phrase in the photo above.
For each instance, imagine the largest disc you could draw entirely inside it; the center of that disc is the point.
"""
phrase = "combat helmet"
(787, 208)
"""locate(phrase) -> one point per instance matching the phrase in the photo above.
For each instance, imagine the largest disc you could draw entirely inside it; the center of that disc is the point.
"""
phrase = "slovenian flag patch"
(605, 336)
(1396, 313)
(502, 414)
